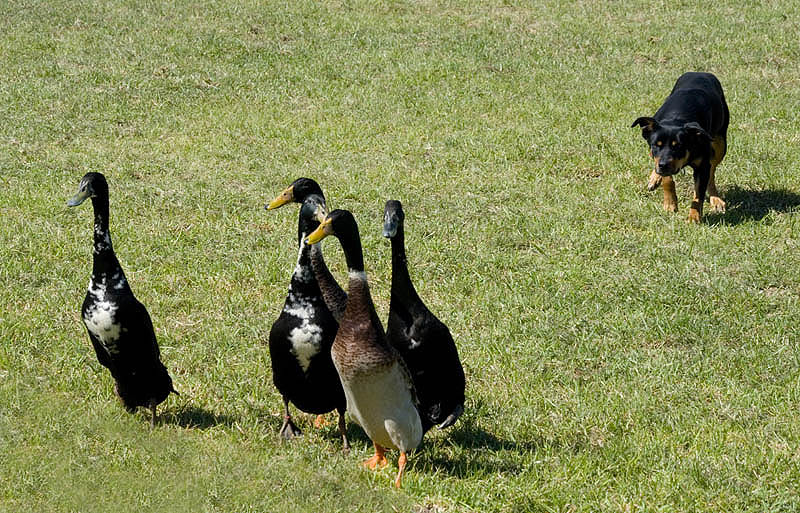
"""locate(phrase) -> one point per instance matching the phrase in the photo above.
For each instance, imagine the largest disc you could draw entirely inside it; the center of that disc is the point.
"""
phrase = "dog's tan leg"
(654, 181)
(695, 211)
(719, 147)
(670, 198)
(701, 176)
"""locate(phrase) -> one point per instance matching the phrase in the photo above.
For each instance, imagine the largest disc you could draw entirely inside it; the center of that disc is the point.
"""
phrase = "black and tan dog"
(690, 129)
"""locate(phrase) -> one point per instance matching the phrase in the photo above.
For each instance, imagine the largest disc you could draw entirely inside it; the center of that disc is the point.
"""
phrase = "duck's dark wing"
(429, 351)
(449, 372)
(138, 340)
(142, 379)
(286, 371)
(100, 351)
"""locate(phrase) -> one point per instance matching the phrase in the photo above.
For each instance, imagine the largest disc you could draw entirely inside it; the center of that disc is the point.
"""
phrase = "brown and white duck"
(380, 393)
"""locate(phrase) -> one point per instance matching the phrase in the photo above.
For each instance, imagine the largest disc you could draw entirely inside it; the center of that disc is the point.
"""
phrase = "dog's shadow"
(745, 205)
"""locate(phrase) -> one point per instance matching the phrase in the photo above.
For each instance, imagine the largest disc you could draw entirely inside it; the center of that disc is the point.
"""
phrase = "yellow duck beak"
(285, 197)
(322, 231)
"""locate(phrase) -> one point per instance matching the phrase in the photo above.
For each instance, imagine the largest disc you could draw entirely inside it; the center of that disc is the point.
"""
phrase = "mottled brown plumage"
(380, 393)
(335, 298)
(361, 346)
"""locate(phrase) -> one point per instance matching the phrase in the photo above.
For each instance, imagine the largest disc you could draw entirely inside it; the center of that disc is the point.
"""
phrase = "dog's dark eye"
(659, 143)
(674, 143)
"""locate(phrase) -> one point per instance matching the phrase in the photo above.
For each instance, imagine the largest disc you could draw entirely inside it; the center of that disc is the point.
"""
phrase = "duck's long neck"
(357, 287)
(360, 307)
(333, 295)
(303, 279)
(402, 288)
(321, 271)
(104, 259)
(353, 254)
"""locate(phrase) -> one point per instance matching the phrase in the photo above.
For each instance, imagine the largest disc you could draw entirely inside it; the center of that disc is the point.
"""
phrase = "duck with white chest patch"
(300, 339)
(379, 390)
(119, 326)
(297, 192)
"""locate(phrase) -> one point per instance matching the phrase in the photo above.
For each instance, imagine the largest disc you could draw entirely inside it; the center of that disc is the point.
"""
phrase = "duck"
(378, 387)
(424, 342)
(119, 326)
(301, 337)
(297, 192)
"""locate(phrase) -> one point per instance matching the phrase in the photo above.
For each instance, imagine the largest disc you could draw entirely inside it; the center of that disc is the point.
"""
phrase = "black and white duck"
(297, 192)
(301, 338)
(118, 324)
(378, 387)
(424, 342)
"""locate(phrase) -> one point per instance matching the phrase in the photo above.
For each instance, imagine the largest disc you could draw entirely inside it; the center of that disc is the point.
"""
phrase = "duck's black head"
(312, 211)
(93, 185)
(297, 192)
(393, 217)
(340, 223)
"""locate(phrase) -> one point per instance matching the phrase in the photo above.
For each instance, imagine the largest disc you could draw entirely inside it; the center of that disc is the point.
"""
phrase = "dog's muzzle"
(666, 170)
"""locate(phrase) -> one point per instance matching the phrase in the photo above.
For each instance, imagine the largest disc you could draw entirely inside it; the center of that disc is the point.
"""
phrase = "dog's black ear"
(696, 131)
(648, 126)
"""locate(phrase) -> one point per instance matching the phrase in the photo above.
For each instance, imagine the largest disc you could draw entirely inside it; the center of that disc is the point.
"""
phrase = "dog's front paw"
(694, 216)
(717, 205)
(670, 205)
(654, 181)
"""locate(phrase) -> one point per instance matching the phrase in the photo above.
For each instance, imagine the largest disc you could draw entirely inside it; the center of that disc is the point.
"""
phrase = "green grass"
(617, 358)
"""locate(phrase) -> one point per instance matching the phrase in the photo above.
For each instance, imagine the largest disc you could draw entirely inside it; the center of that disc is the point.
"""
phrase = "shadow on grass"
(194, 417)
(355, 434)
(470, 450)
(470, 436)
(743, 205)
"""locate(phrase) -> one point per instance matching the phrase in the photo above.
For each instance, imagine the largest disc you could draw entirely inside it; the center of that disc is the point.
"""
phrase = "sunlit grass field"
(618, 359)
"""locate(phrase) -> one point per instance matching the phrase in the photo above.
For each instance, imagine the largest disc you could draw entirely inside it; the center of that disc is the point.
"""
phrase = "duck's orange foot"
(320, 421)
(401, 463)
(378, 460)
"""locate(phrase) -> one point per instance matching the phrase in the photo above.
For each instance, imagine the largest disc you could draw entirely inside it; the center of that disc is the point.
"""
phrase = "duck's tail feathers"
(453, 417)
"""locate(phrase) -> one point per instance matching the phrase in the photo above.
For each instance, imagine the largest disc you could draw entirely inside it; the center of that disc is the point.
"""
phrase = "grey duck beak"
(390, 227)
(79, 198)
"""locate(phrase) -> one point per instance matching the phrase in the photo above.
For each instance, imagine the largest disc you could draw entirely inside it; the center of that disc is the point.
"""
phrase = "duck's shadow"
(470, 449)
(743, 205)
(195, 417)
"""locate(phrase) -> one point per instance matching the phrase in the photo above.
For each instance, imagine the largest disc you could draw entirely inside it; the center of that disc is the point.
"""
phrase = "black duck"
(118, 324)
(423, 341)
(300, 339)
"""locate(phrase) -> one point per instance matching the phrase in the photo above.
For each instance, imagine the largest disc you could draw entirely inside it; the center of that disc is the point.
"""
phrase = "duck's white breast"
(382, 404)
(100, 318)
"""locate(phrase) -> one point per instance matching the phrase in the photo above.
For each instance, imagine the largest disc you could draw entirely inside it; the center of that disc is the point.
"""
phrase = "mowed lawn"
(618, 359)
